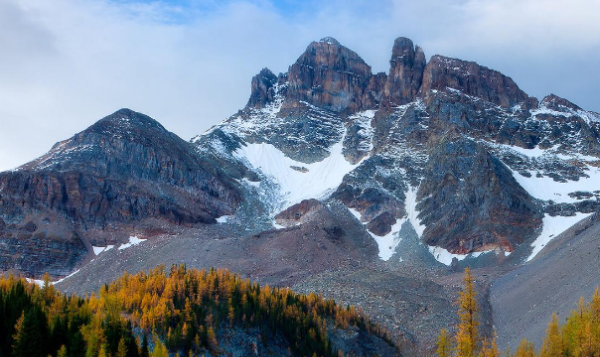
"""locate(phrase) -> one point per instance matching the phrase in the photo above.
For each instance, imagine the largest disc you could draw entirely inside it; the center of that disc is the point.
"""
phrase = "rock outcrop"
(330, 76)
(471, 202)
(472, 79)
(406, 72)
(262, 91)
(298, 213)
(557, 103)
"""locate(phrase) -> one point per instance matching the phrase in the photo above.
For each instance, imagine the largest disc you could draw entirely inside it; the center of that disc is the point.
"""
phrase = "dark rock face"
(471, 202)
(374, 93)
(329, 76)
(406, 72)
(472, 79)
(262, 91)
(298, 213)
(125, 173)
(381, 225)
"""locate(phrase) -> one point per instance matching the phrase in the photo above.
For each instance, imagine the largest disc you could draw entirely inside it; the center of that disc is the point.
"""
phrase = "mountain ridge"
(369, 138)
(410, 76)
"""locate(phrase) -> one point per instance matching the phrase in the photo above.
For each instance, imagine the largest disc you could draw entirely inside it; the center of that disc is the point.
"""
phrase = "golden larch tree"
(467, 335)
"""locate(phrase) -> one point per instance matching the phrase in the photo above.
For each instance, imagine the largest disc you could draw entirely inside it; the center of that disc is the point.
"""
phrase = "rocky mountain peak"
(472, 79)
(131, 116)
(126, 122)
(330, 76)
(406, 72)
(262, 91)
(330, 41)
(126, 173)
(555, 102)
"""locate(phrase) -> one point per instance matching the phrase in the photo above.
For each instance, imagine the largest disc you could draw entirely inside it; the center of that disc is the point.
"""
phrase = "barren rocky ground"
(524, 299)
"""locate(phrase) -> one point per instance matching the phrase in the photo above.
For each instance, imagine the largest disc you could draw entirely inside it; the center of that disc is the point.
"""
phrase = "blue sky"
(188, 63)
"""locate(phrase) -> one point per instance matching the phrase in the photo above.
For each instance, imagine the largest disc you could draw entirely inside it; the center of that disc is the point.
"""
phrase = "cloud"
(67, 63)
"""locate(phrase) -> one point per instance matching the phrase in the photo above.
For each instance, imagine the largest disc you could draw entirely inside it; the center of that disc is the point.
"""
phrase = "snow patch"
(223, 219)
(37, 282)
(250, 183)
(545, 188)
(388, 243)
(553, 226)
(98, 250)
(537, 152)
(66, 277)
(40, 283)
(533, 153)
(132, 241)
(412, 212)
(548, 111)
(277, 225)
(445, 257)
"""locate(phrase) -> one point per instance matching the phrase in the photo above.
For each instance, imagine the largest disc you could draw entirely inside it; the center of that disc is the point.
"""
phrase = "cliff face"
(262, 89)
(118, 175)
(472, 79)
(330, 76)
(406, 72)
(470, 200)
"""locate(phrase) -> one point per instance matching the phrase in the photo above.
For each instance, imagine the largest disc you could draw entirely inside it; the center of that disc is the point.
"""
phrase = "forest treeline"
(160, 312)
(578, 336)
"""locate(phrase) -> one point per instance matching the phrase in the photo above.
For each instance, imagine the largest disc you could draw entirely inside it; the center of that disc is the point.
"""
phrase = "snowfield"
(223, 219)
(317, 180)
(545, 188)
(411, 210)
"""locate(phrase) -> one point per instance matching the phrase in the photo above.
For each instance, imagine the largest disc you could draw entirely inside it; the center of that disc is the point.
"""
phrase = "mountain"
(125, 175)
(372, 188)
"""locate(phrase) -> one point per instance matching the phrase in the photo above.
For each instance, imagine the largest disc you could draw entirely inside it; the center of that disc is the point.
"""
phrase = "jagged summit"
(406, 72)
(331, 76)
(385, 138)
(262, 89)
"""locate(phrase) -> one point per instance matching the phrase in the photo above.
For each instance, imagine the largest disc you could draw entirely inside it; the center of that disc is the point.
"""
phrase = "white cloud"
(67, 63)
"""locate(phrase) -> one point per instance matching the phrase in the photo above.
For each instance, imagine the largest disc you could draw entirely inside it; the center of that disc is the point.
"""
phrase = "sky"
(65, 64)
